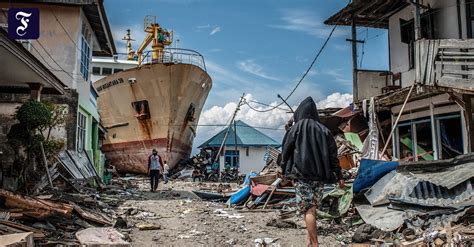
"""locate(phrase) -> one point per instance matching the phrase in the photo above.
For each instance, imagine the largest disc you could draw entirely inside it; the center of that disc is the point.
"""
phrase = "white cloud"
(215, 30)
(251, 67)
(222, 75)
(335, 100)
(203, 26)
(305, 21)
(276, 119)
(220, 115)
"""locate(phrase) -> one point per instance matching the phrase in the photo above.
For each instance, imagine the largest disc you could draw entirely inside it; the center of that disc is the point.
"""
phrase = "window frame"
(85, 58)
(232, 154)
(469, 19)
(435, 146)
(81, 132)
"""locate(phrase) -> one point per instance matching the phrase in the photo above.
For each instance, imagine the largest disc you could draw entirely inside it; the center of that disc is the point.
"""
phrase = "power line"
(260, 103)
(64, 29)
(363, 49)
(302, 78)
(49, 55)
(226, 125)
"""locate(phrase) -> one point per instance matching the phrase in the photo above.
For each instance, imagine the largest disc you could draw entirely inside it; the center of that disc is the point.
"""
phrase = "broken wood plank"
(42, 207)
(274, 185)
(92, 216)
(16, 227)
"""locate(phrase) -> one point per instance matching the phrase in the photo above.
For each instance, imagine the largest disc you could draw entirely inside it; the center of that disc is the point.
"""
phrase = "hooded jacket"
(309, 150)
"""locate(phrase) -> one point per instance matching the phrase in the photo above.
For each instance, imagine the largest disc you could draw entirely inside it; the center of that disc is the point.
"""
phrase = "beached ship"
(155, 104)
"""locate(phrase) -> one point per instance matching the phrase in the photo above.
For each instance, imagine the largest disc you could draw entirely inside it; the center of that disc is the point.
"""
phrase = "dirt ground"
(185, 220)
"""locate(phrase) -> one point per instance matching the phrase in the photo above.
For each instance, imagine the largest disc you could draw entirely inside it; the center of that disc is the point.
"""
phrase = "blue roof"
(246, 136)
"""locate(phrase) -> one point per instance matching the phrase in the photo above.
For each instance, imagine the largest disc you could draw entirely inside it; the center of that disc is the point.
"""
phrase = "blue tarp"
(243, 193)
(370, 171)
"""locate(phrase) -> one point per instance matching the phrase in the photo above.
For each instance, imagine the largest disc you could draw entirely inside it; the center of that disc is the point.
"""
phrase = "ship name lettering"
(109, 84)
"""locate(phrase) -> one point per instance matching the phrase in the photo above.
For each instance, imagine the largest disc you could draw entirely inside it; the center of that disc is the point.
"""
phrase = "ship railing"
(176, 56)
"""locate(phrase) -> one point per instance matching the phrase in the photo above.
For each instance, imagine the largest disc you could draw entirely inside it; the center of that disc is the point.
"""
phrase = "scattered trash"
(148, 226)
(101, 236)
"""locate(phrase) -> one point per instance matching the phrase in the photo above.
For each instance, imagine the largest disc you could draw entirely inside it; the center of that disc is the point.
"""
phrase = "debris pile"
(422, 201)
(65, 207)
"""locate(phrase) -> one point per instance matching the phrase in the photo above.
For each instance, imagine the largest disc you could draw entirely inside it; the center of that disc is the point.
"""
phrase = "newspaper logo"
(23, 23)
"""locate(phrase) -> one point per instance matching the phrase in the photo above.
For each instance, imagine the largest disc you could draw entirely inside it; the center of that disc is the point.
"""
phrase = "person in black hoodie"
(309, 157)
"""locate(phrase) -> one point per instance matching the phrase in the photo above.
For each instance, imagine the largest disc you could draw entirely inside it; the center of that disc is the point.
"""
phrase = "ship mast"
(130, 52)
(157, 36)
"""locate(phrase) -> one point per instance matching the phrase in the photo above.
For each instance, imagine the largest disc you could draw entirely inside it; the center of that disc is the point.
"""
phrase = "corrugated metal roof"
(246, 136)
(443, 186)
(446, 173)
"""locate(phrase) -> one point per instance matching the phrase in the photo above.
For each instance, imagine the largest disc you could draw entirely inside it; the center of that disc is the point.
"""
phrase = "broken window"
(142, 110)
(415, 138)
(424, 141)
(450, 136)
(407, 33)
(405, 150)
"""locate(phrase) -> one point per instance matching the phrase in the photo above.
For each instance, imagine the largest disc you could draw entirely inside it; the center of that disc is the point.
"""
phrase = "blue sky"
(257, 47)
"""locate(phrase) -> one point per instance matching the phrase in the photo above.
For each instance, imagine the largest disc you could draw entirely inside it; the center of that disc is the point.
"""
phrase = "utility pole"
(417, 20)
(354, 41)
(235, 142)
(228, 127)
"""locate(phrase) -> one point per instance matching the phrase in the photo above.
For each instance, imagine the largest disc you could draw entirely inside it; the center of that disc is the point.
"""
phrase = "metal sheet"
(431, 195)
(391, 185)
(370, 150)
(69, 165)
(381, 217)
(449, 178)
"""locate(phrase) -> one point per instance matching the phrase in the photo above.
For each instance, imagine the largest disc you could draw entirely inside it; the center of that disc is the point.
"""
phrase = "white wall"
(399, 60)
(253, 162)
(445, 26)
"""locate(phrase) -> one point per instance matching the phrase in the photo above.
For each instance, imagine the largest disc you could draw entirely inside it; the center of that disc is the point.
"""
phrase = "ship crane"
(156, 35)
(130, 52)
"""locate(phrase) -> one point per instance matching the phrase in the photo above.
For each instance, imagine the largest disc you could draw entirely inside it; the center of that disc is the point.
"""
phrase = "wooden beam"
(36, 89)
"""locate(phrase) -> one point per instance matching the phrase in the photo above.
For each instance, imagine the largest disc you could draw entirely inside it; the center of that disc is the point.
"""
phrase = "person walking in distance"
(155, 167)
(309, 157)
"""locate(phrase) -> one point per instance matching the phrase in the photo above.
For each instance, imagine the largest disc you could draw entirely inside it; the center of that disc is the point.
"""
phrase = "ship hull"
(174, 96)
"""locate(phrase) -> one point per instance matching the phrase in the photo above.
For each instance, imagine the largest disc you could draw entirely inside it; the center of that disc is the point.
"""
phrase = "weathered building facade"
(70, 33)
(427, 92)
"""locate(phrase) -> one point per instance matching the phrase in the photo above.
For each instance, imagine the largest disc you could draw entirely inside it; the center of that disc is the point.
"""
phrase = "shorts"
(308, 194)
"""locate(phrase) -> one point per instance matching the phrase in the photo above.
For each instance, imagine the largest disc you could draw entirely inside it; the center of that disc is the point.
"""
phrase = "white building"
(431, 63)
(104, 66)
(250, 143)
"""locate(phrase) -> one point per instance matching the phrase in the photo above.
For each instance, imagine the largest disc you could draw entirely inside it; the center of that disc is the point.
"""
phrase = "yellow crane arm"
(143, 46)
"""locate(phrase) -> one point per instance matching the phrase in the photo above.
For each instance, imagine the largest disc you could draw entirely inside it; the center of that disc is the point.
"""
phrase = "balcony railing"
(176, 56)
(445, 62)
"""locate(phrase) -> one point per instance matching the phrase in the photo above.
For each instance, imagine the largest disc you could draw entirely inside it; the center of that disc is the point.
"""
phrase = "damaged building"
(70, 32)
(426, 94)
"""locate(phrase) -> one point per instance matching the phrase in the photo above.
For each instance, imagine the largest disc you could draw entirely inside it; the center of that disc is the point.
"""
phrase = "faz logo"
(23, 23)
